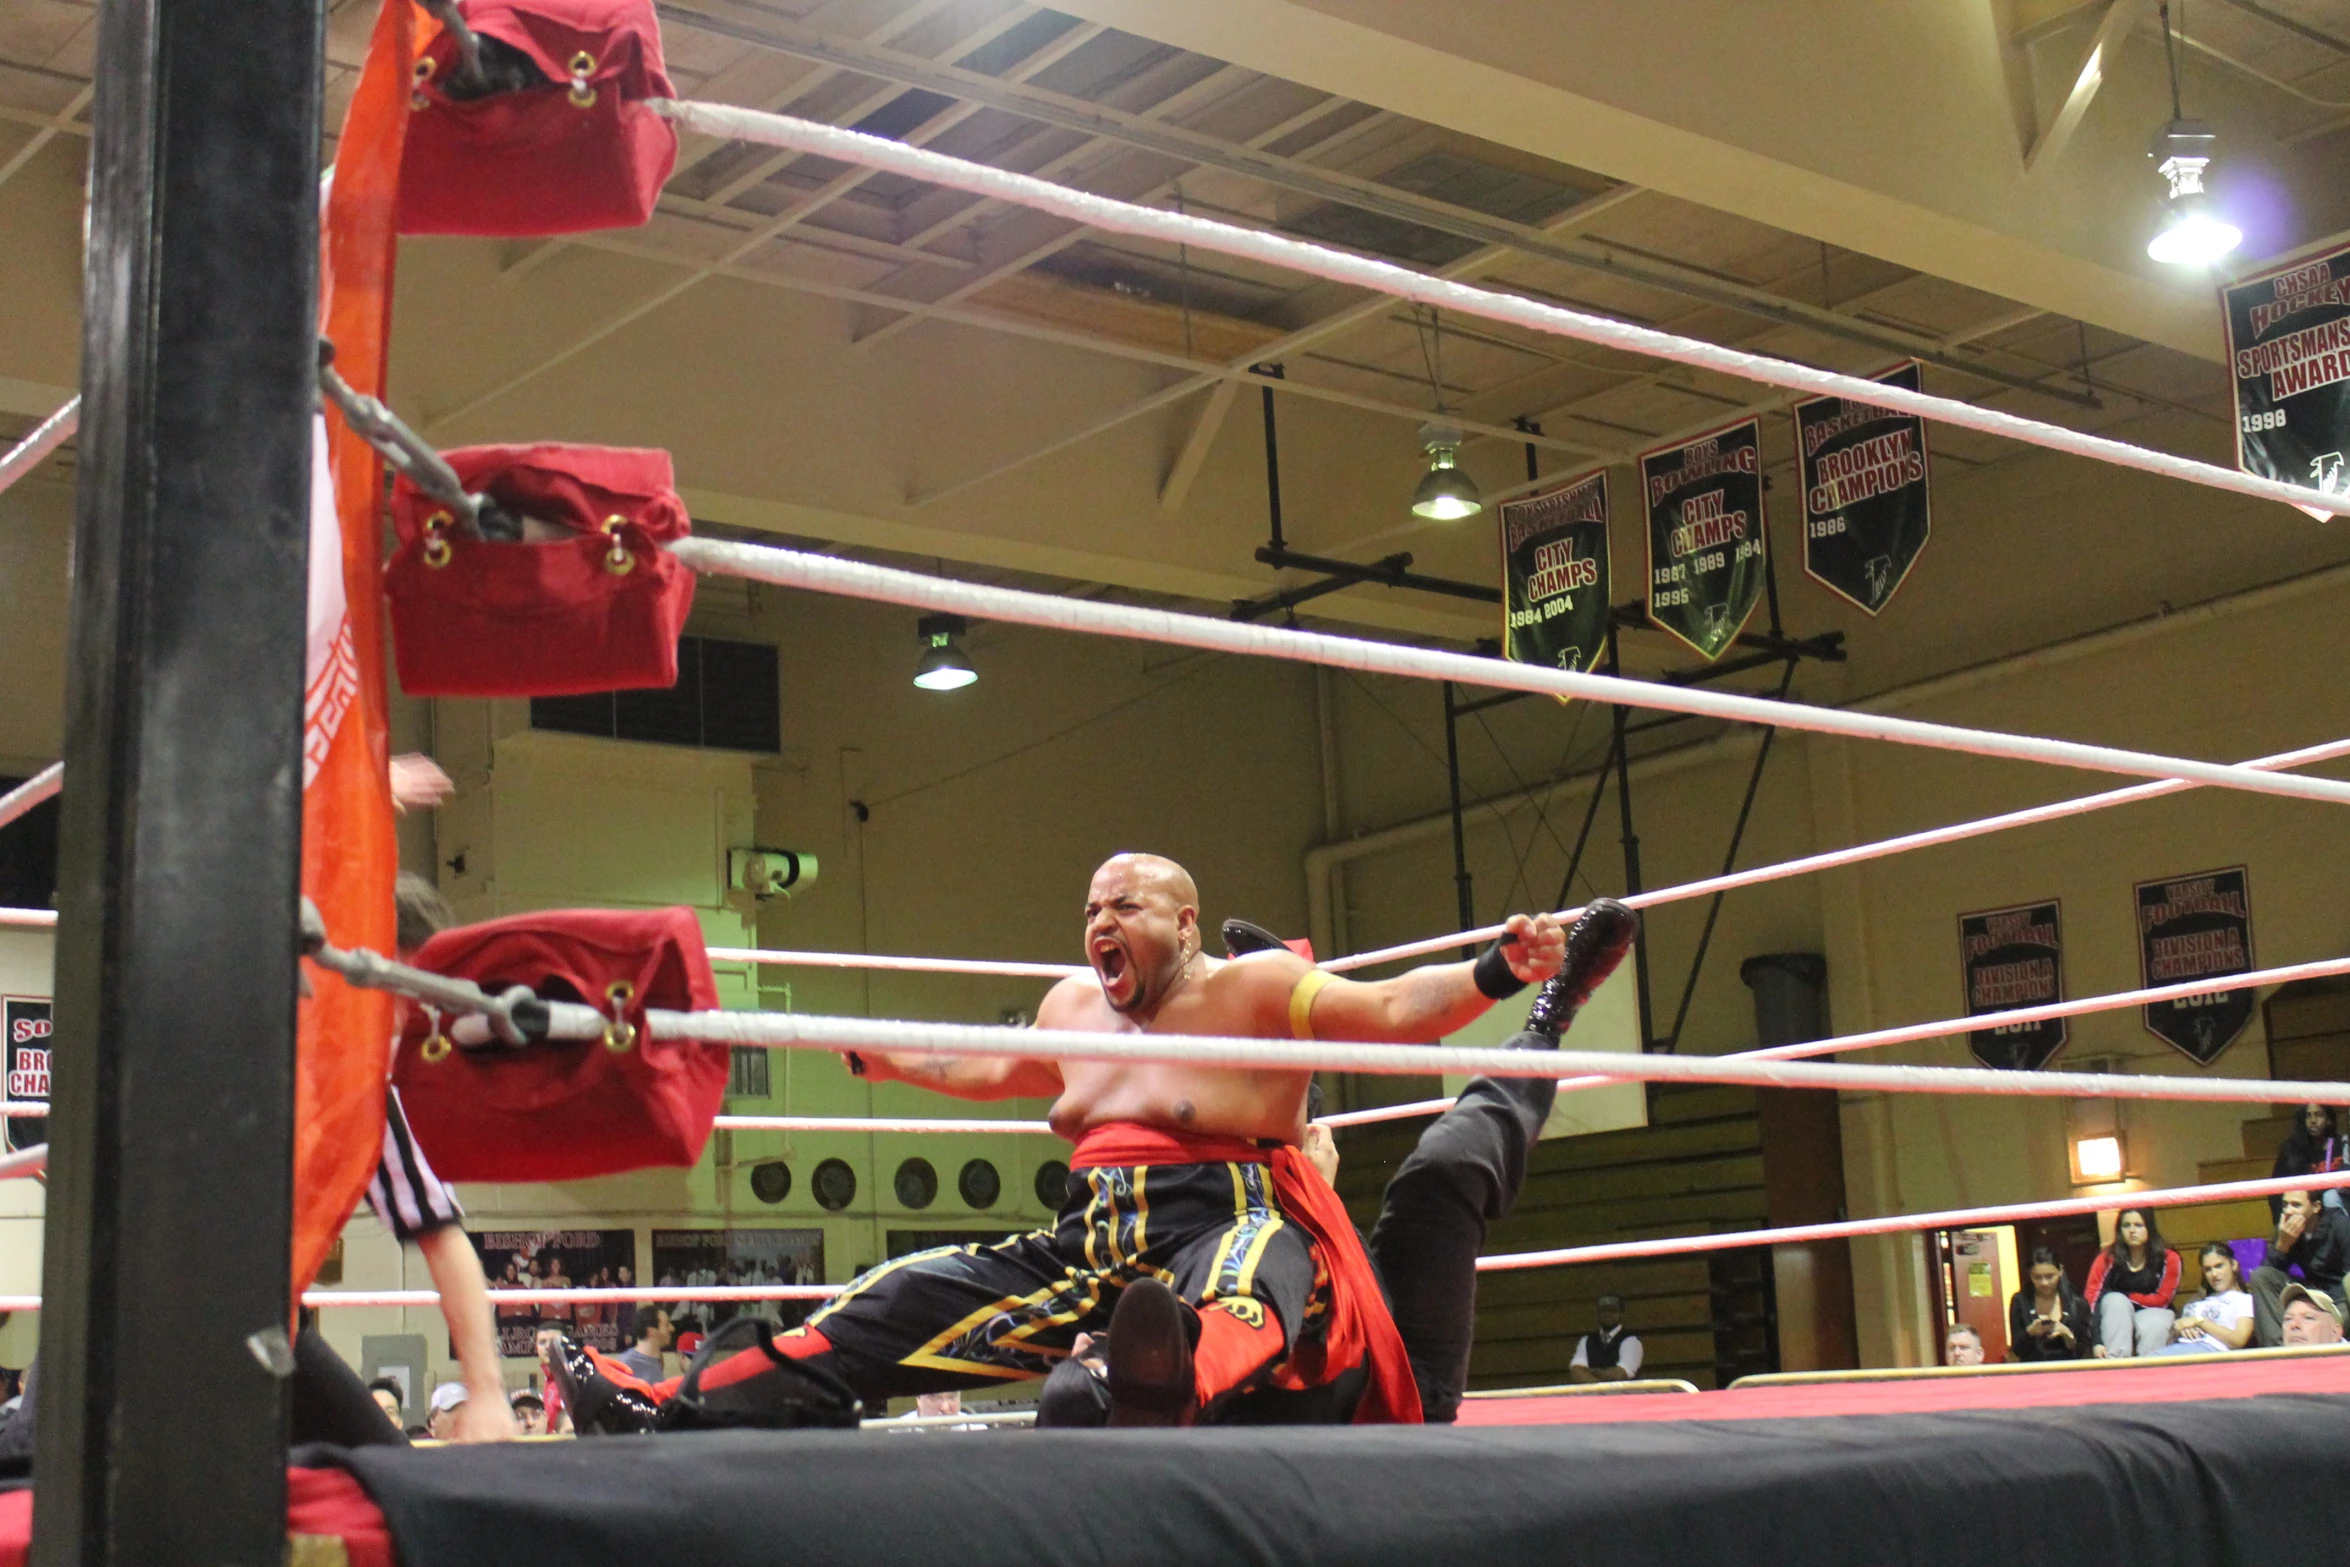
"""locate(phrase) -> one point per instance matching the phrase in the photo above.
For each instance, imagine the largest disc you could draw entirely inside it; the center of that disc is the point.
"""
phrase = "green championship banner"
(1554, 567)
(2193, 927)
(1705, 534)
(2289, 353)
(1865, 512)
(2013, 958)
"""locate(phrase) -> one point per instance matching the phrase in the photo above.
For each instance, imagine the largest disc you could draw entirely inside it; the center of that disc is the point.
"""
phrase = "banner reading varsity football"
(1865, 512)
(2192, 927)
(1705, 534)
(2289, 350)
(1554, 568)
(2013, 958)
(27, 1022)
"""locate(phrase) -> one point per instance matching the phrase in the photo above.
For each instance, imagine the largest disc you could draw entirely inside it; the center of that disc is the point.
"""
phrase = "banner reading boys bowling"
(1554, 564)
(27, 1022)
(2193, 927)
(2013, 958)
(2289, 350)
(1705, 534)
(1865, 513)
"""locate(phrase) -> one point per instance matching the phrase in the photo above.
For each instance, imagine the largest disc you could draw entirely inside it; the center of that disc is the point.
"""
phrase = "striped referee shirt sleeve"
(405, 1194)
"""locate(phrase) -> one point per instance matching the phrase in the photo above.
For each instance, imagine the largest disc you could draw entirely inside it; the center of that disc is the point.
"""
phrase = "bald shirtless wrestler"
(1191, 1209)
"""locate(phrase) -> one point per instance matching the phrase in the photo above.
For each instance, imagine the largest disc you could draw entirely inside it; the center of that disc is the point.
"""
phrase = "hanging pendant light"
(2190, 234)
(1446, 494)
(944, 665)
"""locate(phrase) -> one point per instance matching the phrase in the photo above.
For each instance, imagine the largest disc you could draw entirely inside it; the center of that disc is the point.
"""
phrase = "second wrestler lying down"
(1230, 1281)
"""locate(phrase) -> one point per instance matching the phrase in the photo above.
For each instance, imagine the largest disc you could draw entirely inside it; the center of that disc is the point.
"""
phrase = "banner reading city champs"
(553, 1260)
(1865, 511)
(2192, 927)
(1705, 534)
(27, 1022)
(2289, 350)
(2013, 958)
(1554, 566)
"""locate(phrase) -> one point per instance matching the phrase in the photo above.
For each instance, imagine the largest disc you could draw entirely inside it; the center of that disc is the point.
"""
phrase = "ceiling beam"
(2120, 16)
(1294, 175)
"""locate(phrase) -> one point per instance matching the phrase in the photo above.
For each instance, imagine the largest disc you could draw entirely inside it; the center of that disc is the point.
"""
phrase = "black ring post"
(161, 1433)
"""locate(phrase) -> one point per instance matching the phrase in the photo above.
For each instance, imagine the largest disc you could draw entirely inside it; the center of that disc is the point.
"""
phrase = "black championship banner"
(27, 1021)
(738, 1257)
(553, 1260)
(2192, 927)
(2289, 351)
(1554, 568)
(1865, 511)
(2013, 958)
(1705, 534)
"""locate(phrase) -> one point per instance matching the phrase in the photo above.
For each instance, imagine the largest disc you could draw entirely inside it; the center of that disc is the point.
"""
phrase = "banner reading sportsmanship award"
(1705, 534)
(2013, 958)
(1865, 512)
(1554, 568)
(2289, 350)
(2192, 927)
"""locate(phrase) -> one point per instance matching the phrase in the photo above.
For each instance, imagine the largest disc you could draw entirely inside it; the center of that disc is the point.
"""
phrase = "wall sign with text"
(2013, 958)
(1554, 566)
(1705, 534)
(1866, 511)
(2195, 927)
(2289, 355)
(28, 1023)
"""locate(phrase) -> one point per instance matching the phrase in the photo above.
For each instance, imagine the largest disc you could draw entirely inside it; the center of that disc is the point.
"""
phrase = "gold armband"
(1301, 1002)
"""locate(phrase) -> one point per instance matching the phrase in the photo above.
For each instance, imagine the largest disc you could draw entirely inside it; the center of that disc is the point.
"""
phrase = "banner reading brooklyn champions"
(1865, 511)
(27, 1021)
(2289, 350)
(2013, 958)
(2193, 927)
(1554, 565)
(1705, 534)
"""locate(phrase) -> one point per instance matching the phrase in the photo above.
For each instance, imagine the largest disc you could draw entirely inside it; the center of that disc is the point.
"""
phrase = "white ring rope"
(42, 786)
(800, 1031)
(1909, 1033)
(859, 1123)
(25, 1162)
(1895, 1224)
(866, 960)
(46, 437)
(1835, 859)
(1175, 228)
(888, 585)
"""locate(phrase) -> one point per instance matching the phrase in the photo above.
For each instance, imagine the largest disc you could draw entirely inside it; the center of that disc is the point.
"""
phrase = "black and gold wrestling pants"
(965, 1316)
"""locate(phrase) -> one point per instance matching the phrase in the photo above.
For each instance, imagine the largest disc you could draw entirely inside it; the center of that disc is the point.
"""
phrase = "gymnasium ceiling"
(904, 372)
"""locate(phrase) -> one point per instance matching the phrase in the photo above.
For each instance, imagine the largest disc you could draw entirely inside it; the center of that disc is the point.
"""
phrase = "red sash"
(1360, 1330)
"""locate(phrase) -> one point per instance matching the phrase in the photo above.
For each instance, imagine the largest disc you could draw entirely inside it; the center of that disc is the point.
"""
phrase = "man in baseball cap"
(2311, 1316)
(446, 1400)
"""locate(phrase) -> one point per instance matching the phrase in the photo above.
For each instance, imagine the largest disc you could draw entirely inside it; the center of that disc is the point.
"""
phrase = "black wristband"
(1492, 973)
(856, 1063)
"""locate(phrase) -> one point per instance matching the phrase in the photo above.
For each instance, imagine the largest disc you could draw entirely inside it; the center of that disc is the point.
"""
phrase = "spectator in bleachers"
(2314, 1239)
(2222, 1319)
(1613, 1354)
(2312, 1147)
(2047, 1319)
(530, 1413)
(2312, 1317)
(643, 1358)
(1961, 1345)
(2132, 1286)
(386, 1393)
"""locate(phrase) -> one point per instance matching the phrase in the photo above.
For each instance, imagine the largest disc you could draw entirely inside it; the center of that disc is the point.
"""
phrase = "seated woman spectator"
(2131, 1287)
(2222, 1319)
(2312, 1147)
(2047, 1319)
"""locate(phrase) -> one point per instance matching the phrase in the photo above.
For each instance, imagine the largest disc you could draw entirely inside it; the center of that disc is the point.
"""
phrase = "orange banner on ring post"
(350, 853)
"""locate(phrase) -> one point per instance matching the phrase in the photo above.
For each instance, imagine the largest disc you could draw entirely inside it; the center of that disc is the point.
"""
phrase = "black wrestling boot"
(1594, 947)
(599, 1406)
(1242, 938)
(1152, 1333)
(783, 1394)
(1076, 1396)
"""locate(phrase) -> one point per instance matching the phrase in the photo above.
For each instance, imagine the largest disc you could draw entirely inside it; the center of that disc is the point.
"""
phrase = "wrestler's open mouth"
(1109, 961)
